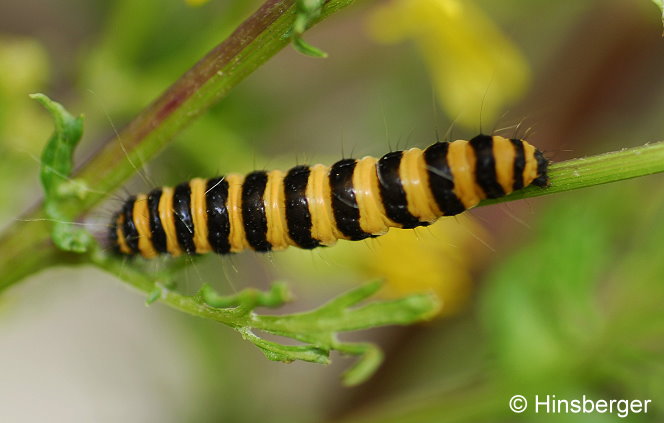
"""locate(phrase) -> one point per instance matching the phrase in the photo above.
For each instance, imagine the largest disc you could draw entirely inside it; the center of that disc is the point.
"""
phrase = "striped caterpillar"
(308, 207)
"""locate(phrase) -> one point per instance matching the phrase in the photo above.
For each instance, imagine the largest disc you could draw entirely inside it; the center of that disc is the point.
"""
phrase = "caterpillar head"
(542, 179)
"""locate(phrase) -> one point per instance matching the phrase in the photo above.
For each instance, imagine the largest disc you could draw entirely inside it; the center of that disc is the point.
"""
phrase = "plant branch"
(30, 244)
(257, 39)
(317, 329)
(25, 245)
(589, 171)
(33, 236)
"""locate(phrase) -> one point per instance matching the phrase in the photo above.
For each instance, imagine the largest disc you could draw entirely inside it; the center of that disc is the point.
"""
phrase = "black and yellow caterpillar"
(312, 206)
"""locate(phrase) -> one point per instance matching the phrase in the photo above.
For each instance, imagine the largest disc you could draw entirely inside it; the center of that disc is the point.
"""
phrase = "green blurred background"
(560, 295)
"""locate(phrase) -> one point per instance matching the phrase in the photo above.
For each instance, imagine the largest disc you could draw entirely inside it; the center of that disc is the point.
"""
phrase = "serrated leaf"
(317, 329)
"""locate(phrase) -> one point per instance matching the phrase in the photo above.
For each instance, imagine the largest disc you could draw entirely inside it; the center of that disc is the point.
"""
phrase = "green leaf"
(318, 328)
(370, 359)
(57, 157)
(287, 353)
(153, 296)
(247, 299)
(305, 48)
(306, 13)
(57, 163)
(351, 297)
(335, 316)
(71, 238)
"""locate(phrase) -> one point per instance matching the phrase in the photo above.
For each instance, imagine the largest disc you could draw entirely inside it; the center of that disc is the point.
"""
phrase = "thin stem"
(604, 168)
(25, 246)
(257, 39)
(146, 284)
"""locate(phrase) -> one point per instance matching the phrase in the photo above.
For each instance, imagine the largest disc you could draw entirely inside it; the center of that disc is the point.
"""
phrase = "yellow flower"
(25, 69)
(472, 63)
(437, 259)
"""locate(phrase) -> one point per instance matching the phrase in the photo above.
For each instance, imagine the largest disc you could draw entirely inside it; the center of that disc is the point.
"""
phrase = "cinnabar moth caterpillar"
(312, 206)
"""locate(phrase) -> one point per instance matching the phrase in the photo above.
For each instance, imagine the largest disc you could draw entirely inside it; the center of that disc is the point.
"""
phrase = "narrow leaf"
(305, 48)
(286, 353)
(306, 12)
(370, 359)
(402, 311)
(351, 297)
(57, 163)
(248, 298)
(57, 157)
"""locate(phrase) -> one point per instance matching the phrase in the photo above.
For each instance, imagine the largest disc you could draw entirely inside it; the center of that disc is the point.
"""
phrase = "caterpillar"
(313, 206)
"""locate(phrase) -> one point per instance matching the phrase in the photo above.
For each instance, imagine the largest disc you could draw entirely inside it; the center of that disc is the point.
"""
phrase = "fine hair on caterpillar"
(313, 206)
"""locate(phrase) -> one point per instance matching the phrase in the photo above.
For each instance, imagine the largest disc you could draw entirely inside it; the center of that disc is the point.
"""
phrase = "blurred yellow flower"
(466, 53)
(437, 259)
(25, 69)
(24, 65)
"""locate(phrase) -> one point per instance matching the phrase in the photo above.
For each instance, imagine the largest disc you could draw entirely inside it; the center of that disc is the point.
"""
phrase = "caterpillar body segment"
(312, 206)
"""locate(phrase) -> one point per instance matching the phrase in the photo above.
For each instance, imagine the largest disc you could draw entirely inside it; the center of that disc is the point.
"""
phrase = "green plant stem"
(317, 329)
(257, 39)
(239, 317)
(595, 170)
(27, 248)
(25, 245)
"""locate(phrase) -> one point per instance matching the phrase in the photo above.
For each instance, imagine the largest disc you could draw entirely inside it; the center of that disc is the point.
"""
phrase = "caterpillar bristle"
(312, 206)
